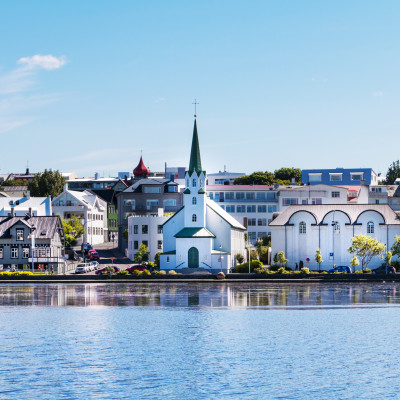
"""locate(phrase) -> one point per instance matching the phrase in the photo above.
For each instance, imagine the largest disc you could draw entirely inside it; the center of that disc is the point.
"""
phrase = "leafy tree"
(280, 258)
(388, 258)
(142, 255)
(318, 258)
(366, 247)
(47, 183)
(354, 262)
(73, 230)
(396, 246)
(239, 258)
(14, 182)
(256, 178)
(393, 172)
(262, 252)
(157, 259)
(286, 174)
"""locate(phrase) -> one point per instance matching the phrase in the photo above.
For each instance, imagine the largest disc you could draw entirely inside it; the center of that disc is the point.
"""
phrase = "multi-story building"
(31, 241)
(20, 206)
(81, 184)
(145, 230)
(223, 178)
(89, 208)
(339, 176)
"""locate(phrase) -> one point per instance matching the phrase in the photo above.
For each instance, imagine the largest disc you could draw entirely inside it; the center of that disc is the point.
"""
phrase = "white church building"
(300, 230)
(201, 234)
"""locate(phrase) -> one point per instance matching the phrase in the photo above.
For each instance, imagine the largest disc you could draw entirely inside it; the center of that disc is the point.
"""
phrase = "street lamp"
(33, 228)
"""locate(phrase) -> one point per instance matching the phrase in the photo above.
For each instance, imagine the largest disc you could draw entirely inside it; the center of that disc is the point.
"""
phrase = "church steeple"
(195, 160)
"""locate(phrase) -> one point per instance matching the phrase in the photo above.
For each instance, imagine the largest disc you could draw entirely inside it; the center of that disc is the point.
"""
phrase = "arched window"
(370, 227)
(302, 227)
(194, 182)
(194, 200)
(194, 218)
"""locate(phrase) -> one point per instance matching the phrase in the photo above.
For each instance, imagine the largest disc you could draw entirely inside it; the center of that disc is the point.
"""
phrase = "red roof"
(141, 169)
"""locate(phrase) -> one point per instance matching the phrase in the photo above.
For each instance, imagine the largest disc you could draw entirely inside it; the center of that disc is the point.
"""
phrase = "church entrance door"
(193, 258)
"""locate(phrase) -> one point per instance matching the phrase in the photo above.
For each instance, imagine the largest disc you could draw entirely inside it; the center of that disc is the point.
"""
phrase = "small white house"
(88, 208)
(300, 230)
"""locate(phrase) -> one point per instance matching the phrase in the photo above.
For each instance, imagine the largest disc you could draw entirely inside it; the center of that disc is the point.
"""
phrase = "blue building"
(339, 176)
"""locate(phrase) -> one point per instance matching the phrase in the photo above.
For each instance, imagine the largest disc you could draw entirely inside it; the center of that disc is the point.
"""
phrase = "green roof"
(167, 253)
(187, 191)
(195, 160)
(194, 233)
(201, 191)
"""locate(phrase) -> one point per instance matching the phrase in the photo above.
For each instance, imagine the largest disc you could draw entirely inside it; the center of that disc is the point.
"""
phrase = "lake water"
(200, 341)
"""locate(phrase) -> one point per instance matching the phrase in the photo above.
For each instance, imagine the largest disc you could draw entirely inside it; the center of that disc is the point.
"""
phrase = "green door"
(193, 257)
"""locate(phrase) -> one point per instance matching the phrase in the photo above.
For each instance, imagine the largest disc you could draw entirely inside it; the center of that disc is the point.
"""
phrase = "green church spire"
(195, 160)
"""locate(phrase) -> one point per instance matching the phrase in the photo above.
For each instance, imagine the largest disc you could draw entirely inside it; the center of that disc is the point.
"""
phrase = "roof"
(42, 205)
(141, 169)
(195, 159)
(240, 187)
(46, 227)
(224, 215)
(353, 211)
(146, 181)
(169, 252)
(15, 188)
(219, 252)
(194, 233)
(349, 188)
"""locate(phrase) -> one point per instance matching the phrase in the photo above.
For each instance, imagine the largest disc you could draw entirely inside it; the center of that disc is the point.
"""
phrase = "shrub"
(359, 271)
(172, 272)
(305, 270)
(282, 270)
(123, 272)
(137, 272)
(162, 272)
(323, 272)
(239, 258)
(396, 265)
(146, 272)
(277, 267)
(151, 265)
(367, 271)
(243, 268)
(261, 271)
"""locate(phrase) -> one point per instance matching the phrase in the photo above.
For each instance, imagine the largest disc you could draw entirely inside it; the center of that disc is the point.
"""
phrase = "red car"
(103, 271)
(93, 255)
(136, 268)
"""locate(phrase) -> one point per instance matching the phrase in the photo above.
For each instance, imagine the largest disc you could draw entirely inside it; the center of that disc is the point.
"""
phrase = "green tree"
(366, 247)
(318, 258)
(396, 246)
(354, 262)
(157, 259)
(286, 174)
(393, 172)
(239, 258)
(142, 255)
(73, 230)
(256, 178)
(14, 182)
(281, 259)
(47, 183)
(262, 252)
(388, 258)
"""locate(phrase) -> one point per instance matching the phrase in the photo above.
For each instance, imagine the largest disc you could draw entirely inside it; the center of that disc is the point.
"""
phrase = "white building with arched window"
(300, 230)
(201, 234)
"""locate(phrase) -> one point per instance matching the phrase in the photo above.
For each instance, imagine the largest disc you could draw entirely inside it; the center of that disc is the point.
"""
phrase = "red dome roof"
(141, 169)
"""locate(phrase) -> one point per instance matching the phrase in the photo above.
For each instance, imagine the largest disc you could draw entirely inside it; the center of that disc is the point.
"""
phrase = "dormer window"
(194, 182)
(194, 218)
(194, 201)
(20, 234)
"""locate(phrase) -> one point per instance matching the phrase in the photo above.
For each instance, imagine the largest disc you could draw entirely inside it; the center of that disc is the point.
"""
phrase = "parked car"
(103, 270)
(93, 255)
(341, 269)
(86, 247)
(382, 270)
(95, 265)
(136, 268)
(81, 268)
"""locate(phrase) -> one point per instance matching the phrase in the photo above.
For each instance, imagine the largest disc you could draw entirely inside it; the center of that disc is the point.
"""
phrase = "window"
(151, 203)
(251, 209)
(304, 200)
(219, 181)
(172, 189)
(376, 201)
(289, 201)
(262, 209)
(260, 196)
(239, 196)
(20, 234)
(252, 236)
(335, 194)
(194, 200)
(170, 203)
(25, 252)
(250, 195)
(211, 195)
(216, 198)
(187, 182)
(69, 203)
(152, 189)
(316, 200)
(159, 245)
(14, 252)
(271, 209)
(302, 228)
(262, 222)
(229, 196)
(159, 229)
(135, 244)
(370, 227)
(194, 182)
(146, 243)
(314, 177)
(269, 221)
(145, 229)
(271, 196)
(260, 235)
(1, 252)
(167, 259)
(230, 209)
(135, 229)
(335, 177)
(194, 218)
(356, 176)
(241, 209)
(251, 222)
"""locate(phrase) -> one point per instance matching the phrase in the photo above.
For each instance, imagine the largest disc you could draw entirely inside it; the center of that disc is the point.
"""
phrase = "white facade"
(300, 230)
(19, 206)
(223, 178)
(146, 229)
(88, 208)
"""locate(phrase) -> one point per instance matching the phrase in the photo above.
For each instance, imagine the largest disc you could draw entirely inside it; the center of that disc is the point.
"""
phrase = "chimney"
(12, 211)
(28, 195)
(27, 171)
(96, 175)
(30, 212)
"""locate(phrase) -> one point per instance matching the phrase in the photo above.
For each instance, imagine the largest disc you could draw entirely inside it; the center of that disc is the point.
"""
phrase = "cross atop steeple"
(195, 104)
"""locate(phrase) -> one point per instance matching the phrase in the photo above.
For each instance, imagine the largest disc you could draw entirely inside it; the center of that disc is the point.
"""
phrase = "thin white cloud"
(377, 94)
(47, 62)
(160, 100)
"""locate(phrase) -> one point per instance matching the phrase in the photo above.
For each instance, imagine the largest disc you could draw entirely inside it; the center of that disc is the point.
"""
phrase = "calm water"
(188, 341)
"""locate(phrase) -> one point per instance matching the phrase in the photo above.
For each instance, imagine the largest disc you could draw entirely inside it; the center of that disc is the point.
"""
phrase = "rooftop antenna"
(195, 108)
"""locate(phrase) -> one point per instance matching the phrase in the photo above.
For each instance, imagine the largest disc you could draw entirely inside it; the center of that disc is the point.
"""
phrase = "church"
(201, 234)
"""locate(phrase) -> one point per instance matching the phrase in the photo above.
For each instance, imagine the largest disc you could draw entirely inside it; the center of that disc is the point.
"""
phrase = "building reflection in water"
(218, 295)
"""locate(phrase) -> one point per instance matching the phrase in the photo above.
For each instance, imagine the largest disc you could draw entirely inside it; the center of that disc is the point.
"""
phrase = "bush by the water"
(16, 273)
(243, 268)
(156, 272)
(276, 268)
(123, 272)
(305, 270)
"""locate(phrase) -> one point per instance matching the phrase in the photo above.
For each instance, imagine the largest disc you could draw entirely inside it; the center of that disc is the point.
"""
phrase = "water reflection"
(201, 295)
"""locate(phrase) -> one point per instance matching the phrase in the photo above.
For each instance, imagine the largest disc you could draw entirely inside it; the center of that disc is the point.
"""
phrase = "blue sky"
(84, 86)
